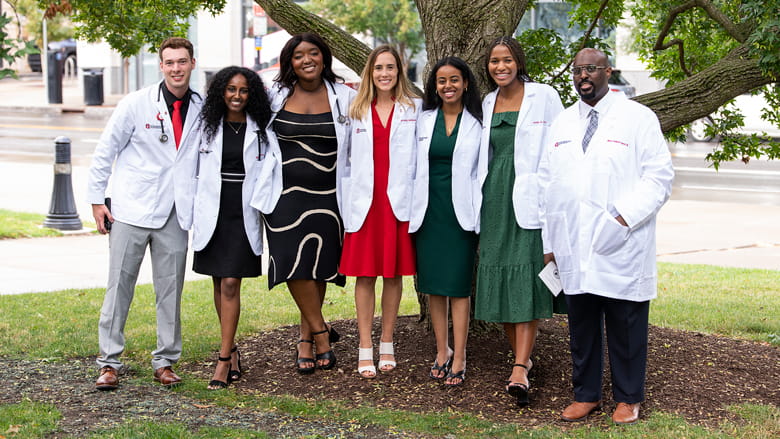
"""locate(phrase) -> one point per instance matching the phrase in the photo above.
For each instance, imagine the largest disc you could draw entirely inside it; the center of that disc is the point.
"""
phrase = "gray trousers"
(127, 246)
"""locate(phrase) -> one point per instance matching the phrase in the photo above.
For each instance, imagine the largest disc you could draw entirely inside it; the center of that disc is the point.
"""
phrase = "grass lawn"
(24, 225)
(730, 302)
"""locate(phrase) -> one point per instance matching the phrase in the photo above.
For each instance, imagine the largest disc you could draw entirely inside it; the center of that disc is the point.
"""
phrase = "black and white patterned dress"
(305, 231)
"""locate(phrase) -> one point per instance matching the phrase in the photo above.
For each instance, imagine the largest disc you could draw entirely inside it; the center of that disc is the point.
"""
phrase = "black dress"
(305, 231)
(228, 253)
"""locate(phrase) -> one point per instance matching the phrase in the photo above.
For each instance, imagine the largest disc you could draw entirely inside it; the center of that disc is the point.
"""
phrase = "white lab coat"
(150, 176)
(541, 104)
(356, 172)
(269, 184)
(465, 185)
(627, 170)
(209, 186)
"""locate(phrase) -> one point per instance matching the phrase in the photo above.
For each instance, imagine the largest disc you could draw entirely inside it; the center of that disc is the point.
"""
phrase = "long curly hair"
(287, 77)
(471, 100)
(258, 107)
(517, 54)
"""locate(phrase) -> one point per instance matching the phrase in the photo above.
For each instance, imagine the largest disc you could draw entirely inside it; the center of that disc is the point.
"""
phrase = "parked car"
(750, 106)
(618, 83)
(68, 50)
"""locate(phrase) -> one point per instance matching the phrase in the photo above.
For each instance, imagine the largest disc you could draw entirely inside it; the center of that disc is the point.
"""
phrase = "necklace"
(233, 127)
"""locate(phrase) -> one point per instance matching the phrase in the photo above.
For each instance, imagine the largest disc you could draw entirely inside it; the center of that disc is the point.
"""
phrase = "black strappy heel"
(217, 384)
(301, 360)
(329, 356)
(235, 375)
(519, 390)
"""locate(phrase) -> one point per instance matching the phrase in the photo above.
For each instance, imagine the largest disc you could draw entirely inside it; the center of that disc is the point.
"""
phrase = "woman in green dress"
(518, 115)
(444, 214)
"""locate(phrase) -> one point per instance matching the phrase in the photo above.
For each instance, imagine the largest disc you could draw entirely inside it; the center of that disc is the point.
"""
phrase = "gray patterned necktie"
(592, 125)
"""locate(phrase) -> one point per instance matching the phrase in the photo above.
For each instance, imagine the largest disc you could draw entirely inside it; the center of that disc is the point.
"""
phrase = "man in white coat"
(146, 141)
(605, 174)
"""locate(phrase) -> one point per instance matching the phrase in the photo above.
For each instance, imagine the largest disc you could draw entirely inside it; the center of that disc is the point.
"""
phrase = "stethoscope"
(341, 119)
(163, 136)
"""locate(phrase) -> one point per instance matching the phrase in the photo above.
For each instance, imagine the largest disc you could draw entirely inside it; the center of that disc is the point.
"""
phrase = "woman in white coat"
(375, 185)
(226, 230)
(517, 119)
(298, 199)
(444, 214)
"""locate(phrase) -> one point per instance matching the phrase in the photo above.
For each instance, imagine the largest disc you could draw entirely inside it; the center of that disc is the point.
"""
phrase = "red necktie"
(176, 120)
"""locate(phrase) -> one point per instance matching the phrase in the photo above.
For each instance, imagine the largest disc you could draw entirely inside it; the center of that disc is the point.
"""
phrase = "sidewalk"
(28, 93)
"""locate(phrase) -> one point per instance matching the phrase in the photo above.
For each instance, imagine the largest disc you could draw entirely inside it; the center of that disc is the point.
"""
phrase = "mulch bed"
(691, 374)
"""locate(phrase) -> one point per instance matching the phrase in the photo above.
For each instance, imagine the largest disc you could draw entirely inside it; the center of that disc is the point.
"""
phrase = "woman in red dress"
(375, 180)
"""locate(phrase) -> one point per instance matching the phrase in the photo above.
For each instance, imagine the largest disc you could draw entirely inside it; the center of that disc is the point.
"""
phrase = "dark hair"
(471, 100)
(286, 77)
(214, 109)
(517, 54)
(175, 43)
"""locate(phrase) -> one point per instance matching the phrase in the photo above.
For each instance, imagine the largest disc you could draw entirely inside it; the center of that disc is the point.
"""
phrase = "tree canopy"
(129, 25)
(707, 51)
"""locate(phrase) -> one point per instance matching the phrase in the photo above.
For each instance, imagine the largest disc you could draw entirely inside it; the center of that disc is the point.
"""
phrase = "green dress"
(445, 252)
(510, 258)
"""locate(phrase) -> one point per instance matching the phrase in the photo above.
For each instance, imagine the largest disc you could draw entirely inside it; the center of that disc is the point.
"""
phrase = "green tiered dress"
(510, 258)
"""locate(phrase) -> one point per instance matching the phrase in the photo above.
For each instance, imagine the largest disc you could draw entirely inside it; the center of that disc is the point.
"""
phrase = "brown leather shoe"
(578, 411)
(166, 376)
(108, 379)
(626, 413)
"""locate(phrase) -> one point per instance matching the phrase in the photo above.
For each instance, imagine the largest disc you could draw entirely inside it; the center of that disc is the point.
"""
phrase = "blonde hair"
(402, 92)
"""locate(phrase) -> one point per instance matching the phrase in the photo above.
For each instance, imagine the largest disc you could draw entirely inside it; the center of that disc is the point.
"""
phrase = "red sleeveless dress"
(382, 246)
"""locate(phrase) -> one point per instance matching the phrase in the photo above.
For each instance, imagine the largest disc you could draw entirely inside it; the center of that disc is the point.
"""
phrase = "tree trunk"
(466, 28)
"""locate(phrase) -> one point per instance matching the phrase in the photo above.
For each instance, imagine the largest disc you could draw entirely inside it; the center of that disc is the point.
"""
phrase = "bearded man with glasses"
(604, 175)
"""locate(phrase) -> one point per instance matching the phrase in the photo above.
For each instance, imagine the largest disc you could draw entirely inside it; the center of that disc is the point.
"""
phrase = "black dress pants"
(626, 332)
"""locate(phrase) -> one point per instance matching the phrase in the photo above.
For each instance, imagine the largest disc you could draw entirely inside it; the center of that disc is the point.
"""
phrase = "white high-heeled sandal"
(386, 349)
(366, 354)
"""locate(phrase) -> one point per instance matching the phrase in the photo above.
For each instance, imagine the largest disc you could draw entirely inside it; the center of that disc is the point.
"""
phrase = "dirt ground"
(690, 374)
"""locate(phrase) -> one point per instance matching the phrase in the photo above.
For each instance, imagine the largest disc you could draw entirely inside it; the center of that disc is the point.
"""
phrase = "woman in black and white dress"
(303, 224)
(227, 238)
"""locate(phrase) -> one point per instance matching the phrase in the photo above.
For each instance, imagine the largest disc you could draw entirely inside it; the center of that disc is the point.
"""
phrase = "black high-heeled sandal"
(333, 336)
(301, 360)
(329, 356)
(235, 375)
(519, 390)
(217, 384)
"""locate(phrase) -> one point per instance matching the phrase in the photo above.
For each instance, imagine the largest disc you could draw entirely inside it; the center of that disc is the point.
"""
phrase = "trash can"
(54, 76)
(93, 86)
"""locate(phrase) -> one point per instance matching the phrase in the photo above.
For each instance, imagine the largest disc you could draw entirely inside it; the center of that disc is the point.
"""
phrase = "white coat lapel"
(525, 107)
(251, 152)
(425, 135)
(398, 111)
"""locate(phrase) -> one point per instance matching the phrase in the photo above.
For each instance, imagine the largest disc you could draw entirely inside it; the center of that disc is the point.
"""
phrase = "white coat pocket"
(140, 187)
(610, 235)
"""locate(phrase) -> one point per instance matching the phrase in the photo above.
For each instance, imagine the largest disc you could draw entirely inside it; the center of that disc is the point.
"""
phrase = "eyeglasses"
(590, 68)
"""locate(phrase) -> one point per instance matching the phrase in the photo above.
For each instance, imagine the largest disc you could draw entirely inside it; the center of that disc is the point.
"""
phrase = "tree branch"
(295, 19)
(716, 14)
(704, 92)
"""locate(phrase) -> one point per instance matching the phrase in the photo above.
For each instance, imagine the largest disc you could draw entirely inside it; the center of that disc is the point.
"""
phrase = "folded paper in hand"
(549, 276)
